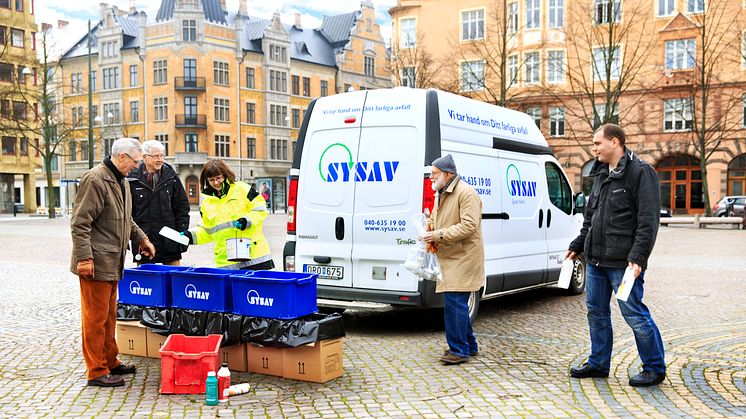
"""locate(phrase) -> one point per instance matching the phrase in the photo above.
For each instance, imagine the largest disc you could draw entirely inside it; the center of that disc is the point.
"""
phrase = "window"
(221, 73)
(93, 81)
(250, 78)
(76, 82)
(163, 139)
(5, 4)
(189, 29)
(533, 14)
(348, 86)
(134, 76)
(513, 17)
(535, 113)
(19, 5)
(278, 149)
(278, 53)
(744, 110)
(306, 86)
(161, 109)
(556, 66)
(222, 146)
(680, 54)
(556, 13)
(665, 7)
(560, 194)
(109, 49)
(606, 64)
(3, 35)
(472, 25)
(16, 37)
(606, 9)
(160, 72)
(408, 77)
(77, 119)
(112, 108)
(190, 143)
(5, 108)
(296, 118)
(472, 76)
(106, 147)
(9, 146)
(295, 85)
(251, 148)
(533, 68)
(324, 88)
(512, 70)
(677, 114)
(251, 113)
(557, 121)
(84, 150)
(278, 81)
(6, 72)
(369, 66)
(278, 115)
(695, 6)
(111, 78)
(24, 146)
(599, 116)
(20, 111)
(135, 111)
(222, 110)
(408, 33)
(73, 153)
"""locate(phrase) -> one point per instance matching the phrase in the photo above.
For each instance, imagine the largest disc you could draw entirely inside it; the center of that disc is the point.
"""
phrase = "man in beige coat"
(101, 227)
(457, 233)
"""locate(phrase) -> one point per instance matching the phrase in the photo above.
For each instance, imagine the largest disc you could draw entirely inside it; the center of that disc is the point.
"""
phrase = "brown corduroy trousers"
(98, 304)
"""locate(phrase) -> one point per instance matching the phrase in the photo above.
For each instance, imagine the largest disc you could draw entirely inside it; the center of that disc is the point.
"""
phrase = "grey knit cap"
(445, 163)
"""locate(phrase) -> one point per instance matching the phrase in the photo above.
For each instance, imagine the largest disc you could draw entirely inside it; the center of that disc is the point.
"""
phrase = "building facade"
(574, 65)
(209, 83)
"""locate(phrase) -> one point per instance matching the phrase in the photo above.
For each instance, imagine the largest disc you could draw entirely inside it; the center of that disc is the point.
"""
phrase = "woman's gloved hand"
(242, 223)
(188, 235)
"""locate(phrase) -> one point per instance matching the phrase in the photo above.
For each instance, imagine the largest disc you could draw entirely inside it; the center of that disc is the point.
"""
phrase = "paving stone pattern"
(695, 289)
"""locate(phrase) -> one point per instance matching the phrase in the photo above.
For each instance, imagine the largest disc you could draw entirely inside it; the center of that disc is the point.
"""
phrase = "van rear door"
(326, 189)
(561, 226)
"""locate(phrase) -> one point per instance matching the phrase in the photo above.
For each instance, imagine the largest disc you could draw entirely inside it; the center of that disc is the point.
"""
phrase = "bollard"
(696, 221)
(15, 209)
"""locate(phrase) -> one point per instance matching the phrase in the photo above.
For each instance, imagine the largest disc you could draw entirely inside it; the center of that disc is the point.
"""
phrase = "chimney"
(243, 8)
(62, 23)
(102, 10)
(133, 7)
(222, 5)
(297, 21)
(45, 27)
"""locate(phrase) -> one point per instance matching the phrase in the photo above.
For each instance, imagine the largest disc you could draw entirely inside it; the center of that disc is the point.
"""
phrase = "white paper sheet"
(174, 235)
(568, 266)
(628, 281)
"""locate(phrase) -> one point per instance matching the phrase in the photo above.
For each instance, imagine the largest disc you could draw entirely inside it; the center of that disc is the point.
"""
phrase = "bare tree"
(414, 66)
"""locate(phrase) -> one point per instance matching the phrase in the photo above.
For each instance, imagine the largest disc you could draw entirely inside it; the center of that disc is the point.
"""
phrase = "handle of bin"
(306, 280)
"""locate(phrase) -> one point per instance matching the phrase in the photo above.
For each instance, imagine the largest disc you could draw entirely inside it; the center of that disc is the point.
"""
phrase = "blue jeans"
(459, 335)
(599, 284)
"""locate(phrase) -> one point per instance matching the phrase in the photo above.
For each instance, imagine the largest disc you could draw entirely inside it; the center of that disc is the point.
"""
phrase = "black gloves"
(242, 223)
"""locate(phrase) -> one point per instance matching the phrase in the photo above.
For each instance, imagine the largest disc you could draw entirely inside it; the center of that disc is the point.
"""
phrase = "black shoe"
(647, 378)
(107, 380)
(123, 369)
(586, 371)
(448, 351)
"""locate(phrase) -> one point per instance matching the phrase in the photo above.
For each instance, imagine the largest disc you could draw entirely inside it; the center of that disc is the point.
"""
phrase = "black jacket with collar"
(622, 216)
(165, 204)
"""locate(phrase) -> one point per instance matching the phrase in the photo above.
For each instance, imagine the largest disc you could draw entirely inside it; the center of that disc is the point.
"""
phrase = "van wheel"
(577, 282)
(331, 310)
(474, 304)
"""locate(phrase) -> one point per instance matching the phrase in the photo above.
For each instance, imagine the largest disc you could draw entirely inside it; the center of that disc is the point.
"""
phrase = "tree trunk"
(705, 187)
(50, 186)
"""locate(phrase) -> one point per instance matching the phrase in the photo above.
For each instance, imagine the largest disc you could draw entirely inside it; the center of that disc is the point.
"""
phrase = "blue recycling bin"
(148, 285)
(207, 289)
(274, 294)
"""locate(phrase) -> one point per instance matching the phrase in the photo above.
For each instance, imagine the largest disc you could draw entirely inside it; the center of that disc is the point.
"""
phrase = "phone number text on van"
(482, 185)
(384, 226)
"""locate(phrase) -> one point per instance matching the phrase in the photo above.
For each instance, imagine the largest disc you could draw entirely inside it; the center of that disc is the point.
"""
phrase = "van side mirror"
(579, 203)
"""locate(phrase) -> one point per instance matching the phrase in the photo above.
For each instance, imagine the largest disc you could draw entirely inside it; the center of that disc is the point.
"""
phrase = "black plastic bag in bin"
(292, 333)
(226, 324)
(129, 312)
(158, 319)
(189, 322)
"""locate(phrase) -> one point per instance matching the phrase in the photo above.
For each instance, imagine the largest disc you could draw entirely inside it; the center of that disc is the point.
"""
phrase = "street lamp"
(105, 126)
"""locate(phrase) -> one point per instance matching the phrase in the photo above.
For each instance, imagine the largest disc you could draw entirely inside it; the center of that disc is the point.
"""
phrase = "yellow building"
(568, 64)
(18, 72)
(210, 83)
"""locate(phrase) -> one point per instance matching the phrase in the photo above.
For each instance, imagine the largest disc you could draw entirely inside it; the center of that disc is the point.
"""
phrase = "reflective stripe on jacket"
(218, 215)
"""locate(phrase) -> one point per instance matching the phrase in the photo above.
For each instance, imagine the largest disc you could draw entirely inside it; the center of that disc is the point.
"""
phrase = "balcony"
(191, 121)
(189, 83)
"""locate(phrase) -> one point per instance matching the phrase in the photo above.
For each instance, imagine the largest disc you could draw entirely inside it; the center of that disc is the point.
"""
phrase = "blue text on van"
(363, 171)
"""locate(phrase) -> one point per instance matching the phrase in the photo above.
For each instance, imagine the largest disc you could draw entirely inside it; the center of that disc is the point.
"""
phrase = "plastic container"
(211, 389)
(207, 289)
(224, 381)
(148, 285)
(185, 362)
(274, 294)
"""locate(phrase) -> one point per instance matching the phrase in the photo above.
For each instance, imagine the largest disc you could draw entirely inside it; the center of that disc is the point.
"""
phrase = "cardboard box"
(132, 338)
(155, 342)
(264, 360)
(318, 363)
(235, 356)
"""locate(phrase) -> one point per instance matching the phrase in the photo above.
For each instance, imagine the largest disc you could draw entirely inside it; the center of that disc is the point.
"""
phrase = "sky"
(78, 12)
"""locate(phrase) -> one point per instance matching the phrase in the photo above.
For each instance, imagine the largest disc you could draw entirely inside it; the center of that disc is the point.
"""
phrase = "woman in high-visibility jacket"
(231, 209)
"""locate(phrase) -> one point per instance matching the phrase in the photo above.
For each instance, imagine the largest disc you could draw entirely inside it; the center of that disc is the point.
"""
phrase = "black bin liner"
(189, 322)
(129, 312)
(291, 333)
(227, 324)
(158, 319)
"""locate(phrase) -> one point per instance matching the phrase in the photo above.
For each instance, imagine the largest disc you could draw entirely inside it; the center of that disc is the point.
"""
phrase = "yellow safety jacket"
(218, 215)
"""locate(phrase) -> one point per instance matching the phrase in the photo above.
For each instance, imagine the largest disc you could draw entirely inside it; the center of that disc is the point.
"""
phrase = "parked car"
(665, 212)
(733, 203)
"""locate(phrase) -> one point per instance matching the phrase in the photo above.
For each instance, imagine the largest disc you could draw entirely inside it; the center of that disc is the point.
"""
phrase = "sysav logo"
(336, 165)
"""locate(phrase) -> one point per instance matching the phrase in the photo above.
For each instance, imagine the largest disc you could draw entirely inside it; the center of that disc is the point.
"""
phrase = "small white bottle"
(224, 382)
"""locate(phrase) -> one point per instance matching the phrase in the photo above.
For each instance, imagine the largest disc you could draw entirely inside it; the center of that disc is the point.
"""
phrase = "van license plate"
(325, 271)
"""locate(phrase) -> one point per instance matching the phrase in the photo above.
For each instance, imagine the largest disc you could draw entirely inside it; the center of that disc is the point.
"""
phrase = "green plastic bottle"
(211, 389)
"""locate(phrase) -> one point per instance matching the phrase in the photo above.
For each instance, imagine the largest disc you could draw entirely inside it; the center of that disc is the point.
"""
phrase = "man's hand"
(428, 237)
(636, 268)
(147, 249)
(85, 269)
(570, 254)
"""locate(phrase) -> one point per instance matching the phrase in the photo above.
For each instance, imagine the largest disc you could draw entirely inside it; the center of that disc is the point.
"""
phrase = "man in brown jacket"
(101, 226)
(457, 233)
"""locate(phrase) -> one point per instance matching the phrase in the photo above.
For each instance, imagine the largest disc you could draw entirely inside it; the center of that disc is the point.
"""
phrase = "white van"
(361, 172)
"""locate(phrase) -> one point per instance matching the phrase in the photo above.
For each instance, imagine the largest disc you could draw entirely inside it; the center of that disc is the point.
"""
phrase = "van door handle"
(549, 217)
(339, 228)
(541, 217)
(322, 259)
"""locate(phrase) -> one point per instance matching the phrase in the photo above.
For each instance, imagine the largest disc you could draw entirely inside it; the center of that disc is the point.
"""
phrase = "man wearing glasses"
(158, 200)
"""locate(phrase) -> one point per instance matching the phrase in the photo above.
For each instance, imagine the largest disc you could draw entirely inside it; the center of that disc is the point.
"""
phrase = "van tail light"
(428, 195)
(292, 203)
(716, 206)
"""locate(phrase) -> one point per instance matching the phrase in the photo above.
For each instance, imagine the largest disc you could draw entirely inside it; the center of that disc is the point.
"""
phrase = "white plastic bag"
(419, 261)
(568, 267)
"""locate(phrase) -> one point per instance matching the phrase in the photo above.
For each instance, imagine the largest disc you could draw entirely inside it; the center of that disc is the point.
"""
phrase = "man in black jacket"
(619, 230)
(159, 199)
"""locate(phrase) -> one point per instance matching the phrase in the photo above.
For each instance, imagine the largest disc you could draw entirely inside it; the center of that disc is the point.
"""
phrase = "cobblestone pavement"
(695, 289)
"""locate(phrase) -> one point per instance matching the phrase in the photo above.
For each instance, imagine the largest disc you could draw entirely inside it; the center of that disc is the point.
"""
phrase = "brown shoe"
(107, 380)
(123, 369)
(448, 351)
(451, 359)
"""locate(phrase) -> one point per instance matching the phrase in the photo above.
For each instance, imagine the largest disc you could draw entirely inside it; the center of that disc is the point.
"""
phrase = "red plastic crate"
(185, 361)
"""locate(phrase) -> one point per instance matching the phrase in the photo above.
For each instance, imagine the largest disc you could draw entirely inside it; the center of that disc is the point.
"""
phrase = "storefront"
(681, 184)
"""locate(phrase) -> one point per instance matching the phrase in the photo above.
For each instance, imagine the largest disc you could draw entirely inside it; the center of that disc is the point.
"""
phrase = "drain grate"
(37, 373)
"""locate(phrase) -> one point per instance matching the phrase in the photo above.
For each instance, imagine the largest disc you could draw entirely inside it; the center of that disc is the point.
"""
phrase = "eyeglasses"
(136, 162)
(435, 175)
(155, 156)
(216, 179)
